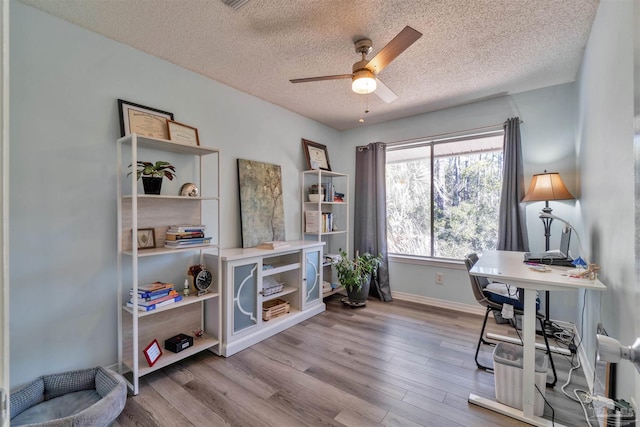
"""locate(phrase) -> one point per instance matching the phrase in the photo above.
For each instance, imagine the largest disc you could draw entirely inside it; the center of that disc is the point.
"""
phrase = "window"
(443, 196)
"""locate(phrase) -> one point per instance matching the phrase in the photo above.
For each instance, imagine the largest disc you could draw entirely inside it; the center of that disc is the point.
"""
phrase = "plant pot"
(360, 297)
(151, 185)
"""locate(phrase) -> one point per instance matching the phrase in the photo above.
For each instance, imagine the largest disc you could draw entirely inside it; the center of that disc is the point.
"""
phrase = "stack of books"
(154, 295)
(184, 236)
(338, 197)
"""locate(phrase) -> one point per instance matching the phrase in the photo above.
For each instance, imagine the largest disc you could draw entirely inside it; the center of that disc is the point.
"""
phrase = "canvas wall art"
(261, 204)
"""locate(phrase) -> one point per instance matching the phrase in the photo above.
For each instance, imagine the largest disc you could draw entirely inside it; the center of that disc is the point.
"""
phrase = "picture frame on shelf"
(316, 155)
(183, 134)
(145, 121)
(152, 352)
(146, 238)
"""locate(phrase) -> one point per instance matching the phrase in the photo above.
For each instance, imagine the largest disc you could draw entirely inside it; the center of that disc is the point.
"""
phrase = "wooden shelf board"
(166, 197)
(326, 232)
(280, 269)
(325, 203)
(332, 291)
(165, 251)
(166, 145)
(169, 357)
(184, 301)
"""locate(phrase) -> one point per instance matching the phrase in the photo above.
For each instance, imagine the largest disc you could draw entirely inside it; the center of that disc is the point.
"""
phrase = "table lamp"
(544, 187)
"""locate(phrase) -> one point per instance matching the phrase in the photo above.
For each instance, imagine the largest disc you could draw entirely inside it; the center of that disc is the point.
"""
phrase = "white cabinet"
(247, 296)
(136, 267)
(325, 215)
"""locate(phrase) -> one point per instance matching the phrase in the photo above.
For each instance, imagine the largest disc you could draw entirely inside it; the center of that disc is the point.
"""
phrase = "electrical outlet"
(439, 278)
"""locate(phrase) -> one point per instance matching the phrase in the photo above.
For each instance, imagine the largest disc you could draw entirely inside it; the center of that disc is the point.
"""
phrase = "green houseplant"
(355, 274)
(152, 174)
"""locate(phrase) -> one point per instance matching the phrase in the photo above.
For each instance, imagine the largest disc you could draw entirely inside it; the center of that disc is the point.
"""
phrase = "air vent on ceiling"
(235, 4)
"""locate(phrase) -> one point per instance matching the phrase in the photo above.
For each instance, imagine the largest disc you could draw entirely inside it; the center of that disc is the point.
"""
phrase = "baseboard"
(585, 361)
(456, 306)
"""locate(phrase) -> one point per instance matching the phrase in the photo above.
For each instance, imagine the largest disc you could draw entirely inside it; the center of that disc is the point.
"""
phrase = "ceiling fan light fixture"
(363, 82)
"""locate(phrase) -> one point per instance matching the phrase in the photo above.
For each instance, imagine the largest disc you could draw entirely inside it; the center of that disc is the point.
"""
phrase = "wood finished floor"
(386, 364)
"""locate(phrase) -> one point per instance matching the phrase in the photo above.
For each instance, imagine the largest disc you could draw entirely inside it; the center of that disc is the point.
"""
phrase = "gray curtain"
(370, 212)
(512, 226)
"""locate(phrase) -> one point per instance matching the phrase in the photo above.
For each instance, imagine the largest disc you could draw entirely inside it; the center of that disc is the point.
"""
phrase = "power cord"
(553, 412)
(582, 403)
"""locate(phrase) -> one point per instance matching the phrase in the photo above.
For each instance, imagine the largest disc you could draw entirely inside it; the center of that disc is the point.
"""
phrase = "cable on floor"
(553, 412)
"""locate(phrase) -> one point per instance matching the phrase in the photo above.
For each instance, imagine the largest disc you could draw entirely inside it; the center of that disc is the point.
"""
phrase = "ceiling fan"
(363, 78)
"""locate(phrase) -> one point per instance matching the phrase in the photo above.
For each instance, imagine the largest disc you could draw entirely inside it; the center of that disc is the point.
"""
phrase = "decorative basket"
(274, 308)
(272, 289)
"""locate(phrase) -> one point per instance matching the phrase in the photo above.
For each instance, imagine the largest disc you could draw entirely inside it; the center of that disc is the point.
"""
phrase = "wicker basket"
(274, 308)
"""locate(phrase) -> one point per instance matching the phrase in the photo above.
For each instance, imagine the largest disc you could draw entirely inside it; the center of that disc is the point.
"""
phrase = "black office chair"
(493, 302)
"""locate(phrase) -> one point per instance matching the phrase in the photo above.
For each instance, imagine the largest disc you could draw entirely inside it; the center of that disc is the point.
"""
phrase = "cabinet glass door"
(312, 276)
(245, 296)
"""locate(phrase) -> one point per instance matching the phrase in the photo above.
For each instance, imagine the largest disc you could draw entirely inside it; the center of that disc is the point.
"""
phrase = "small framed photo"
(146, 238)
(145, 121)
(184, 134)
(152, 352)
(316, 155)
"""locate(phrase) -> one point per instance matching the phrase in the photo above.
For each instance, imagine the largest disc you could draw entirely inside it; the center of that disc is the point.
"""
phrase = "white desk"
(508, 267)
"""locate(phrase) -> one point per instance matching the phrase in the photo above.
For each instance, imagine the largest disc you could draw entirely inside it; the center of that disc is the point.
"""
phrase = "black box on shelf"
(178, 343)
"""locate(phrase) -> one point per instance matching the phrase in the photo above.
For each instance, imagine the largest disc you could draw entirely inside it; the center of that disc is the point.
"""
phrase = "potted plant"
(355, 275)
(152, 174)
(316, 193)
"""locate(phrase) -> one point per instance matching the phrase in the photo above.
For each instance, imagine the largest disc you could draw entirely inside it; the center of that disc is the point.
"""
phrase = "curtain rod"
(449, 134)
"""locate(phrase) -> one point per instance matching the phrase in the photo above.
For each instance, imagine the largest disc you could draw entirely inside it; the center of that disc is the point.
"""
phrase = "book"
(154, 306)
(311, 221)
(187, 242)
(184, 236)
(153, 289)
(186, 228)
(142, 307)
(155, 286)
(274, 244)
(146, 302)
(149, 296)
(203, 244)
(168, 302)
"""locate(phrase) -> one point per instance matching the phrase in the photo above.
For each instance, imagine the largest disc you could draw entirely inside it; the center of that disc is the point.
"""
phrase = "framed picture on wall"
(184, 134)
(316, 155)
(145, 121)
(146, 238)
(152, 352)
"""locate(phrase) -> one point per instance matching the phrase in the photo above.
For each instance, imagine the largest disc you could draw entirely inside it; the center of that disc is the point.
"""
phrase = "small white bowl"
(316, 197)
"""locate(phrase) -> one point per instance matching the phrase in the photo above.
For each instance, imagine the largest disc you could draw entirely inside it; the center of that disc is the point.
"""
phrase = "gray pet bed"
(88, 397)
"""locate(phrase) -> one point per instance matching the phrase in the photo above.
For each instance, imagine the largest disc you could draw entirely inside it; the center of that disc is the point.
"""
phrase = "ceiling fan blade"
(395, 47)
(317, 79)
(384, 93)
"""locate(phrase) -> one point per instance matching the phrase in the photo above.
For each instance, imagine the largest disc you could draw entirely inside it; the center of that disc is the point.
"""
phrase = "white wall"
(547, 143)
(4, 208)
(64, 122)
(604, 140)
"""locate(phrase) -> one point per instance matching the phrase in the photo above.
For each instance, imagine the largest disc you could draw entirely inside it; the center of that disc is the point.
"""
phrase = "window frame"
(432, 143)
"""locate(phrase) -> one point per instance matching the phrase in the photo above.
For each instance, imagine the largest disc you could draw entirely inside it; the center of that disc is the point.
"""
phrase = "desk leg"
(529, 352)
(528, 373)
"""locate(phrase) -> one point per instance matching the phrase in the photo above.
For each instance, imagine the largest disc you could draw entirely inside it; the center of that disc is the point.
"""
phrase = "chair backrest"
(477, 283)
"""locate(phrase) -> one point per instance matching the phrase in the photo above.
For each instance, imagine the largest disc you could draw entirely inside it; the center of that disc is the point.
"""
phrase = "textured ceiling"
(470, 49)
